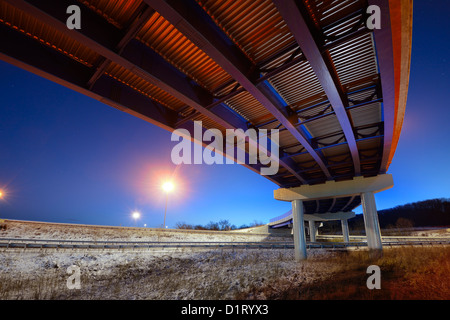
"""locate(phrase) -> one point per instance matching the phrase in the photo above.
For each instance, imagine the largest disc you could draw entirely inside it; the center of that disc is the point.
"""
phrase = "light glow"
(136, 215)
(168, 186)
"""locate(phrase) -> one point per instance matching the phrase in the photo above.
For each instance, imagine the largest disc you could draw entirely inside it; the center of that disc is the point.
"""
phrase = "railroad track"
(14, 243)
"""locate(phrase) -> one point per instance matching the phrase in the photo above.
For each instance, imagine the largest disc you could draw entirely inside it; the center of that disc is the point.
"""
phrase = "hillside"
(65, 231)
(427, 213)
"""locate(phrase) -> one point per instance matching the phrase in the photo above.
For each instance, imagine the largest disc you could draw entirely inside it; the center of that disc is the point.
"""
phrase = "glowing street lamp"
(167, 187)
(136, 215)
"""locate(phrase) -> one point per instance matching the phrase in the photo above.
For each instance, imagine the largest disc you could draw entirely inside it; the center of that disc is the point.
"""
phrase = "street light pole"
(167, 187)
(165, 211)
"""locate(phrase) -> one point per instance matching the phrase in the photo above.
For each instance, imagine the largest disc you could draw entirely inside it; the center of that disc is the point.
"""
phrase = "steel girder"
(296, 18)
(109, 42)
(28, 54)
(195, 24)
(385, 54)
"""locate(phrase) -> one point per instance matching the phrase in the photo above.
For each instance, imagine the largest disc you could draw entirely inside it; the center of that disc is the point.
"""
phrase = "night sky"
(65, 157)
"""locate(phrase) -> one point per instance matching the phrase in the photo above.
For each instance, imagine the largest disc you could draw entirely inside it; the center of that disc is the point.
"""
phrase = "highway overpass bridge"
(331, 76)
(315, 221)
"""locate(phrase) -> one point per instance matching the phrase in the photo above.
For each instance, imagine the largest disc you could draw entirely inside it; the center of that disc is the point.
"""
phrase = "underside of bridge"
(333, 85)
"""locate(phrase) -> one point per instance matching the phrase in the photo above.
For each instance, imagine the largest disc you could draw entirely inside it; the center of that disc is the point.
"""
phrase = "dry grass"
(208, 275)
(44, 230)
(406, 273)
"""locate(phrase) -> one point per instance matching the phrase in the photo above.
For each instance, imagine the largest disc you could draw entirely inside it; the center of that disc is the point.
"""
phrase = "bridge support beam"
(345, 233)
(299, 230)
(371, 222)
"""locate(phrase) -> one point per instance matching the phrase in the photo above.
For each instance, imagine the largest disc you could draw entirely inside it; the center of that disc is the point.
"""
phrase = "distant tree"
(403, 223)
(256, 223)
(331, 227)
(221, 225)
(428, 213)
(356, 225)
(224, 225)
(212, 226)
(183, 225)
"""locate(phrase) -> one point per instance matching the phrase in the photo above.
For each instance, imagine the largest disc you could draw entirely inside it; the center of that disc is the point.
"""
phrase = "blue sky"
(65, 157)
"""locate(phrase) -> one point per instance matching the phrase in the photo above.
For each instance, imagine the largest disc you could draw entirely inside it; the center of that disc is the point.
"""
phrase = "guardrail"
(284, 217)
(11, 243)
(388, 238)
(85, 244)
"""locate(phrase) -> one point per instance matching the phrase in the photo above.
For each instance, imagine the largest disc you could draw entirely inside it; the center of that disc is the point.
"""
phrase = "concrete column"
(299, 230)
(312, 231)
(345, 233)
(371, 223)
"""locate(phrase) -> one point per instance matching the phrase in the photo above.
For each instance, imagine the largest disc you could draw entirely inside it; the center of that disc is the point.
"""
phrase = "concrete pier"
(371, 223)
(299, 230)
(345, 232)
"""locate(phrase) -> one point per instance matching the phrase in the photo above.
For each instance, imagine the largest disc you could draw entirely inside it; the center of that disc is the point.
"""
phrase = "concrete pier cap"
(330, 189)
(366, 187)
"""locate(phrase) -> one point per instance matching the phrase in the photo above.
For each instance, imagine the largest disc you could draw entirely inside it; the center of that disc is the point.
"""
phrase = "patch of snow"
(115, 274)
